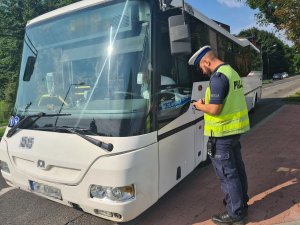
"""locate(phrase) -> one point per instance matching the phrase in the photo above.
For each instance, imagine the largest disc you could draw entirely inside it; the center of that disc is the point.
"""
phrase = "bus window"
(256, 60)
(199, 38)
(199, 33)
(225, 49)
(175, 87)
(213, 40)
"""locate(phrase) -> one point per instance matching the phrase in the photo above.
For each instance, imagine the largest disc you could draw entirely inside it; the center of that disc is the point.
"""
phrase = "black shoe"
(246, 210)
(225, 219)
(246, 206)
(224, 202)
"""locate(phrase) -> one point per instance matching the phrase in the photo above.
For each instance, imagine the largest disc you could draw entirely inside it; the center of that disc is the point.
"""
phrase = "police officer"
(226, 118)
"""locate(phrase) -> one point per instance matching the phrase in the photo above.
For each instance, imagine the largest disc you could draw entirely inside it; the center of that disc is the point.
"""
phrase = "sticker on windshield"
(13, 121)
(173, 104)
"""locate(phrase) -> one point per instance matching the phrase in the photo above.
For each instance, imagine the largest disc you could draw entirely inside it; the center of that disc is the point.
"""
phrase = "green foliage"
(293, 98)
(277, 57)
(14, 15)
(283, 13)
(2, 130)
(296, 62)
(4, 113)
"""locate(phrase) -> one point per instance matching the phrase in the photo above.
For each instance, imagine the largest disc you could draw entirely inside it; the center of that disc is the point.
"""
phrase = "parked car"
(284, 75)
(277, 76)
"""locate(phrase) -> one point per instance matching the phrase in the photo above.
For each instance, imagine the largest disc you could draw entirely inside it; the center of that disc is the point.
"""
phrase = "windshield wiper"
(63, 103)
(106, 146)
(13, 130)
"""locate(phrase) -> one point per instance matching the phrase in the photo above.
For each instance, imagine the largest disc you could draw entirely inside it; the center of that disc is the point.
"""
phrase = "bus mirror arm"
(165, 4)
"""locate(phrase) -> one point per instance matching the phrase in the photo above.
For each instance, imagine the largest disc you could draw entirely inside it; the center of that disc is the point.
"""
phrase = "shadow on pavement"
(271, 155)
(263, 109)
(2, 183)
(269, 205)
(273, 166)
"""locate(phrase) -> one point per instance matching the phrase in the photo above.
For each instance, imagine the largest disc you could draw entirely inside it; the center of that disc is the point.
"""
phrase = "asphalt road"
(22, 208)
(272, 97)
(281, 88)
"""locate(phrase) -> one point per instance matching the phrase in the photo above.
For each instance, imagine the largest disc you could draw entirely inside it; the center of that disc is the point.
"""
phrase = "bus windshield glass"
(94, 64)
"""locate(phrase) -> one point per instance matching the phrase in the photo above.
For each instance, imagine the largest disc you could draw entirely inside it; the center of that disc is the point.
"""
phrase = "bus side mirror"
(180, 39)
(29, 68)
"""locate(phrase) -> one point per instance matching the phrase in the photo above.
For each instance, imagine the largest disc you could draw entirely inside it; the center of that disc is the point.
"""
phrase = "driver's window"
(175, 87)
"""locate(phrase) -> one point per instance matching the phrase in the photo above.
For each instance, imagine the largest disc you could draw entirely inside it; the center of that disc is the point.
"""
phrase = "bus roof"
(211, 23)
(176, 3)
(249, 43)
(67, 9)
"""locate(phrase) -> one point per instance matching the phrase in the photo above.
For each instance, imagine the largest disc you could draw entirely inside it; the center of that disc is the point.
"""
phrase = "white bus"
(102, 120)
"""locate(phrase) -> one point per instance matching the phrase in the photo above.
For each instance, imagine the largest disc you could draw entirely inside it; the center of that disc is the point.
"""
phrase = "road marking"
(5, 190)
(296, 222)
(265, 193)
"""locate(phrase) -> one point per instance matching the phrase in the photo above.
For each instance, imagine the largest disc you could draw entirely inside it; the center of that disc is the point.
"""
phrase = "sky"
(234, 13)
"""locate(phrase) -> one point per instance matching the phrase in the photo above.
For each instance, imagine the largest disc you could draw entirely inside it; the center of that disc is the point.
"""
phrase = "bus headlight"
(4, 167)
(119, 194)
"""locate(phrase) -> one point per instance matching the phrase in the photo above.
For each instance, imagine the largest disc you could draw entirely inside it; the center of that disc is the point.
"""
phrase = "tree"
(277, 57)
(297, 62)
(285, 15)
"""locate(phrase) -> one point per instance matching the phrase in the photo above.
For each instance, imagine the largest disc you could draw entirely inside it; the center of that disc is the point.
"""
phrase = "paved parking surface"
(271, 153)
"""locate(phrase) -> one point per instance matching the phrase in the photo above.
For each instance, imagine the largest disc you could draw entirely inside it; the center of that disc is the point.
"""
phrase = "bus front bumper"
(138, 168)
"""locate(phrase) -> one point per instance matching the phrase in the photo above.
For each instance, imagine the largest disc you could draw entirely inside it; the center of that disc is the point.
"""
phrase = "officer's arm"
(211, 109)
(219, 86)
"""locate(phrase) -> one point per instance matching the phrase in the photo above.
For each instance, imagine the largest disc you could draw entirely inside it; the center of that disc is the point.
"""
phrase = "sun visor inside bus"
(120, 46)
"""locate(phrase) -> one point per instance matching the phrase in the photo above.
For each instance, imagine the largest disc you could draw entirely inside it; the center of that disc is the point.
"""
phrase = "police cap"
(195, 59)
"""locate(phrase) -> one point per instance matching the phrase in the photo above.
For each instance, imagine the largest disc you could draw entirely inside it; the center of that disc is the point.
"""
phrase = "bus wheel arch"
(254, 102)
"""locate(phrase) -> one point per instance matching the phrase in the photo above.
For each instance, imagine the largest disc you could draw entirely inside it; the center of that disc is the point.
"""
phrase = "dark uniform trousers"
(230, 169)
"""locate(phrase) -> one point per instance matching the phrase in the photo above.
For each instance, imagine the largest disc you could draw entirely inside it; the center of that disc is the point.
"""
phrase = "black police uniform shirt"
(219, 87)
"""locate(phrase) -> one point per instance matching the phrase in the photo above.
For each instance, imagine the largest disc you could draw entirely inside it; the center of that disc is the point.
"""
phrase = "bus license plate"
(46, 190)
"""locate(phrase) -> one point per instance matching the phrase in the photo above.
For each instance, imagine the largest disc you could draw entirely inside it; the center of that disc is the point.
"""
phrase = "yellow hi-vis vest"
(233, 118)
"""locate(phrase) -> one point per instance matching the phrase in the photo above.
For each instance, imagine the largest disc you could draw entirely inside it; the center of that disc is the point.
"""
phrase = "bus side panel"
(176, 158)
(252, 88)
(5, 158)
(199, 89)
(139, 168)
(200, 150)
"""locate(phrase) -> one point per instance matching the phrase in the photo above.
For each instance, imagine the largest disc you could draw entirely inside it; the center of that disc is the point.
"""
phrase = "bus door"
(199, 140)
(176, 123)
(176, 128)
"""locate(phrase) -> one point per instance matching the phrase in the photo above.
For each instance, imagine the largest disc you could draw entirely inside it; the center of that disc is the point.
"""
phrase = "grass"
(267, 81)
(3, 114)
(293, 98)
(2, 131)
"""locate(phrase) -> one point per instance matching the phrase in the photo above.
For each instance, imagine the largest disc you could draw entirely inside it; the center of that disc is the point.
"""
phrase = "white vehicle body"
(285, 75)
(50, 161)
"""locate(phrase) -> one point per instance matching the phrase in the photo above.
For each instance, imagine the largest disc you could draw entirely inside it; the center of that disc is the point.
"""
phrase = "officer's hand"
(199, 102)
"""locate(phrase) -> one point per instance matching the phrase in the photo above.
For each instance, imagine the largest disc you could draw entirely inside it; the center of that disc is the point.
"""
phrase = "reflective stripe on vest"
(233, 118)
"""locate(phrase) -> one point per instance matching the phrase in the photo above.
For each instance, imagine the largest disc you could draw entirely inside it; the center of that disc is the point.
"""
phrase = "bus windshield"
(94, 64)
